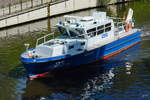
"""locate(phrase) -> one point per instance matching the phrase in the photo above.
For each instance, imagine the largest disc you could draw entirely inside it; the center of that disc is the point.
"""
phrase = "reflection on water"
(74, 84)
(122, 76)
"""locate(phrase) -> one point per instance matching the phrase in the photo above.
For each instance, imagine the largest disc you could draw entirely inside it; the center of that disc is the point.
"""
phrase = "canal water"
(125, 76)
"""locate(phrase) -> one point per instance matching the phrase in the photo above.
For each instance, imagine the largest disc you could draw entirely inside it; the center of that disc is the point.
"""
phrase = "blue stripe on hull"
(119, 44)
(84, 58)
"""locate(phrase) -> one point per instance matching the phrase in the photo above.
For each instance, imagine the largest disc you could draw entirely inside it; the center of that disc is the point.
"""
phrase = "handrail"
(116, 18)
(44, 38)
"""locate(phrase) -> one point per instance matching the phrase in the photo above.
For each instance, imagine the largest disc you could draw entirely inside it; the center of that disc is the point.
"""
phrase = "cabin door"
(116, 35)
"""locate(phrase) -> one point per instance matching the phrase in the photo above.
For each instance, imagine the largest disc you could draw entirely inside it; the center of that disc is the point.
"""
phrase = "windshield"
(79, 31)
(73, 32)
(63, 31)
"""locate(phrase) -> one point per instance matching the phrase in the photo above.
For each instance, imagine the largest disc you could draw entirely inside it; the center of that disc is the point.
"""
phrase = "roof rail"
(73, 17)
(51, 35)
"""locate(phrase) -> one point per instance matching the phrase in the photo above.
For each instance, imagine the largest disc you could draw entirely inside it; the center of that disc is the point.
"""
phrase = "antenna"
(26, 46)
(130, 15)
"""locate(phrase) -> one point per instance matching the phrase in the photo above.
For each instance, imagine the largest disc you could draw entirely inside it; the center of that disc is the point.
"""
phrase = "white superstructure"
(78, 34)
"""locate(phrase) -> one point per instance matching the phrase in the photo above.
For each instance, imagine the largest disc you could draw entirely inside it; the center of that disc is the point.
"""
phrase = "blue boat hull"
(37, 68)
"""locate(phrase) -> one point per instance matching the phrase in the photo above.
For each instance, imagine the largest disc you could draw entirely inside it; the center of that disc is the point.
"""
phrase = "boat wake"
(145, 32)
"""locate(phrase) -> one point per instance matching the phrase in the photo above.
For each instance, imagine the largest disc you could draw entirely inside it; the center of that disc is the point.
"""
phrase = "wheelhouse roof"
(98, 18)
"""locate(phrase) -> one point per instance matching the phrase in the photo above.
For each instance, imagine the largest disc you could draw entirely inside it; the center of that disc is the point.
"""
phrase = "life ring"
(127, 27)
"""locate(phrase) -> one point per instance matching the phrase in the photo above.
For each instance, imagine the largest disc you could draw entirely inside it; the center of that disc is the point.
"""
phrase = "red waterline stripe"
(38, 76)
(103, 58)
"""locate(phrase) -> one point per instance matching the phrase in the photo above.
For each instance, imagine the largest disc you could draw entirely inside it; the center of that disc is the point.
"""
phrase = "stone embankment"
(50, 9)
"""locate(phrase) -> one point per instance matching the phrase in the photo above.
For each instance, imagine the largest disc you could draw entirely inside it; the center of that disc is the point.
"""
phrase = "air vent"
(95, 23)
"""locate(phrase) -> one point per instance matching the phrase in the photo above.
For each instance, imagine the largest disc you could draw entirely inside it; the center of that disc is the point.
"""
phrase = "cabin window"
(80, 31)
(100, 32)
(71, 46)
(100, 29)
(107, 27)
(91, 32)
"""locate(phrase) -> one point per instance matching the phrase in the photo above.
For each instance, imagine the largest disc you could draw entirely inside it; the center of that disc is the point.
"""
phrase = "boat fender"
(29, 54)
(127, 27)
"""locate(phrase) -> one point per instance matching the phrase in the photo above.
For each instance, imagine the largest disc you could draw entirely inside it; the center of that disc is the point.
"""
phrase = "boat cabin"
(86, 27)
(79, 34)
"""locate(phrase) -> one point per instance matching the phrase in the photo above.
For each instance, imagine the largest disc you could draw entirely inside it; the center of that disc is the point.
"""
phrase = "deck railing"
(44, 38)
